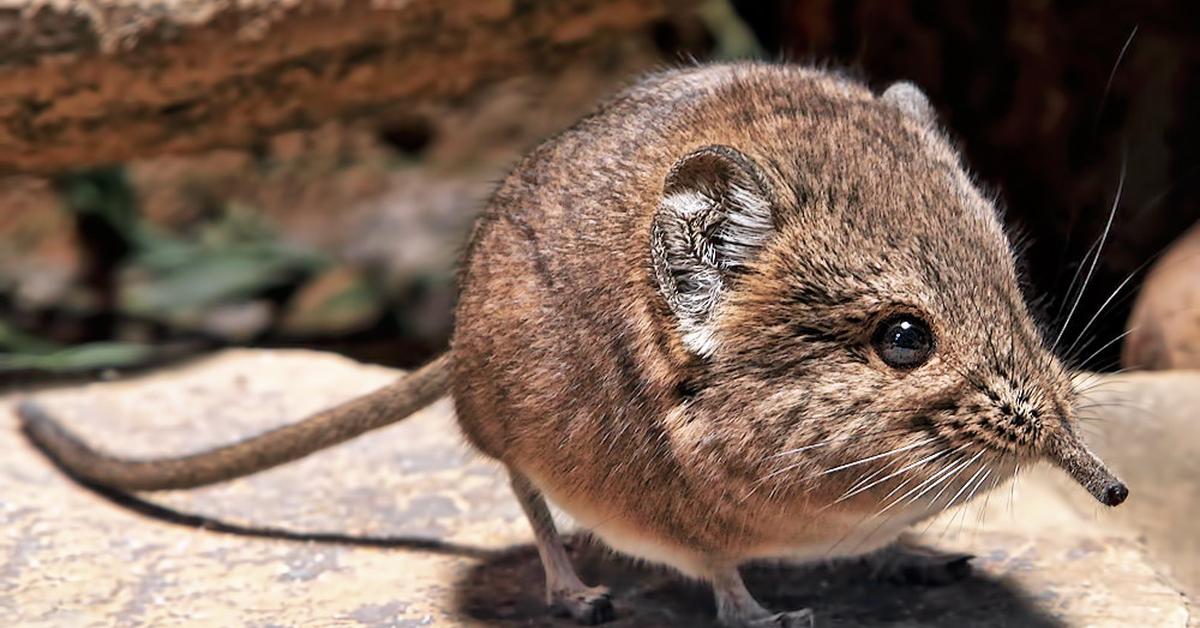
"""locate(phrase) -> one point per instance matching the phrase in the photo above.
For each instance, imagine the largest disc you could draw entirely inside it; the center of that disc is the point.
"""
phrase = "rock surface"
(1147, 426)
(1164, 328)
(103, 81)
(406, 527)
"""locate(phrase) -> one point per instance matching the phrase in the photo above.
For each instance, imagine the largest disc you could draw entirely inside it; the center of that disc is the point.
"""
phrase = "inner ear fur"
(715, 214)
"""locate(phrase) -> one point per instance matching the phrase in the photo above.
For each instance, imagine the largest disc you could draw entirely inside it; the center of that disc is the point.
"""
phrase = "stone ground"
(406, 527)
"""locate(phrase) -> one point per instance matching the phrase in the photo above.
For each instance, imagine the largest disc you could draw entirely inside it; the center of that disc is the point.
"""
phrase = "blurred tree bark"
(87, 83)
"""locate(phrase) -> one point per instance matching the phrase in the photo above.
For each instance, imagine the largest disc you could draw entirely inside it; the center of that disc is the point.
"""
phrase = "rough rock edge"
(93, 82)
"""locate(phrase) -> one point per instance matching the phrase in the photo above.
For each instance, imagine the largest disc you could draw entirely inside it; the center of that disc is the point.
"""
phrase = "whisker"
(928, 485)
(917, 464)
(953, 500)
(1171, 312)
(988, 498)
(791, 467)
(1102, 379)
(934, 500)
(1115, 403)
(1075, 278)
(1012, 489)
(897, 450)
(1113, 73)
(857, 436)
(953, 471)
(1104, 348)
(907, 467)
(1100, 310)
(963, 519)
(867, 477)
(1092, 268)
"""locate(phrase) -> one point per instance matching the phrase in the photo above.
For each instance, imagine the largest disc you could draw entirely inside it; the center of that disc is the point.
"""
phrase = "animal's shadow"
(505, 589)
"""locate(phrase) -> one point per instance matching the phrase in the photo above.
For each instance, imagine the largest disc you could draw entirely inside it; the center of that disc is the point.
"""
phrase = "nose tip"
(1114, 495)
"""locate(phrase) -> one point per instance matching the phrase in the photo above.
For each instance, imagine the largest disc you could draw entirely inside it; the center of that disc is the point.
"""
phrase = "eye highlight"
(903, 341)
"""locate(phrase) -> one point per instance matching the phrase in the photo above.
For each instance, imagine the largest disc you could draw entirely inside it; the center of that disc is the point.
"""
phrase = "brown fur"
(690, 388)
(569, 368)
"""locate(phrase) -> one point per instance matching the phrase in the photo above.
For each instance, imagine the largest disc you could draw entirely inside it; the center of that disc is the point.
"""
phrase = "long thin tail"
(385, 406)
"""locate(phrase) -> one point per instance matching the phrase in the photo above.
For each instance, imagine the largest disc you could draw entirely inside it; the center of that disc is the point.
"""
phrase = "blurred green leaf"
(104, 192)
(180, 278)
(16, 341)
(176, 278)
(86, 357)
(238, 256)
(20, 351)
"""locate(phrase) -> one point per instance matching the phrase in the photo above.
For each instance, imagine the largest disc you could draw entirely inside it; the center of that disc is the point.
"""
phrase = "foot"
(736, 608)
(588, 606)
(792, 619)
(909, 564)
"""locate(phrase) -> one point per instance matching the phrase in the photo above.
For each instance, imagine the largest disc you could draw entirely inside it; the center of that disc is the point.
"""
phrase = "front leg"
(566, 594)
(736, 608)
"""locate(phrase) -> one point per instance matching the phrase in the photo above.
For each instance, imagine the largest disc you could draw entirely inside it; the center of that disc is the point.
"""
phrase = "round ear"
(714, 216)
(911, 100)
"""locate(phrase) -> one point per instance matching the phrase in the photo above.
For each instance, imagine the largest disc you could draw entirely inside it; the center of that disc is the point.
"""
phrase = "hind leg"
(566, 594)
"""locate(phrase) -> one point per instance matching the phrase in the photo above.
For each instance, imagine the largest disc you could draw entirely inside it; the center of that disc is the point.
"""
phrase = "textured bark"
(84, 83)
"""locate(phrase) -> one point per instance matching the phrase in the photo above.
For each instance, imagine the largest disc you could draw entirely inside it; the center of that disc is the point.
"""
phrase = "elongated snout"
(1071, 455)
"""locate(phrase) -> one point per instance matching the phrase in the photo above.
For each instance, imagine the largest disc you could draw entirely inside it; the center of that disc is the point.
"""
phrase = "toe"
(793, 619)
(796, 619)
(600, 611)
(587, 607)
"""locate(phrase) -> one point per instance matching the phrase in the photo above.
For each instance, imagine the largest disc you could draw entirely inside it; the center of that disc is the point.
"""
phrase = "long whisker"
(1083, 363)
(1100, 310)
(1113, 73)
(963, 512)
(1102, 379)
(867, 477)
(895, 473)
(964, 467)
(1114, 404)
(857, 436)
(1110, 298)
(1163, 315)
(953, 500)
(917, 464)
(950, 472)
(1075, 278)
(1012, 489)
(897, 450)
(928, 485)
(847, 465)
(1091, 269)
(988, 499)
(934, 500)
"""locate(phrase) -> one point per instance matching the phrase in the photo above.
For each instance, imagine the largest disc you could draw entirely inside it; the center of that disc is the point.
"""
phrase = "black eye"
(903, 342)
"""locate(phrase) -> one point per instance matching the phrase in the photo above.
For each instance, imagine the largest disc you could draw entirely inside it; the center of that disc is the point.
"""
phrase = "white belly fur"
(864, 537)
